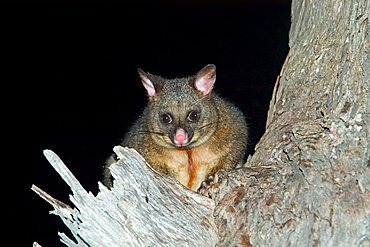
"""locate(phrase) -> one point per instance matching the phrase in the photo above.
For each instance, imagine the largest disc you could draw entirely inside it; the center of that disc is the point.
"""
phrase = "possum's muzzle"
(180, 137)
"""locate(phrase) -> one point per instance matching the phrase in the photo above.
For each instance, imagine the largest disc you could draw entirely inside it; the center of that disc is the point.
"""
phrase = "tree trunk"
(308, 182)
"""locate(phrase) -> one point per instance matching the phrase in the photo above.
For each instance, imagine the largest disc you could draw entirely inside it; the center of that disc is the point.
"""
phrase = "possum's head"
(181, 112)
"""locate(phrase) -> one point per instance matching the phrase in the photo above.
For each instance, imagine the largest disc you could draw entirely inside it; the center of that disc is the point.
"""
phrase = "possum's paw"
(208, 186)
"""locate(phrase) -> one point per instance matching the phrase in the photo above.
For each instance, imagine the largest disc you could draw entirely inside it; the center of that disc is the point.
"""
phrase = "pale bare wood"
(142, 209)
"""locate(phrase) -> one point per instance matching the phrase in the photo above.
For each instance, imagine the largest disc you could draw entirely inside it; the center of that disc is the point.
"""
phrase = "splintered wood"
(142, 208)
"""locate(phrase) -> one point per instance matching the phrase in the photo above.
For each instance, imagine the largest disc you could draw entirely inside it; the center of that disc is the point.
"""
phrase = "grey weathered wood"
(142, 209)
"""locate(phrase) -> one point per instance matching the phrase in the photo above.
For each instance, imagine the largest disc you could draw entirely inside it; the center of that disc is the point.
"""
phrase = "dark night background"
(76, 65)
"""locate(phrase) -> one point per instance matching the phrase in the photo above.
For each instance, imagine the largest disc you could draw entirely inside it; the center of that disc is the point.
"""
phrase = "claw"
(209, 185)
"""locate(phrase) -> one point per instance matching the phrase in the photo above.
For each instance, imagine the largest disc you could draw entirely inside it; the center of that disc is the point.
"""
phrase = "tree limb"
(143, 208)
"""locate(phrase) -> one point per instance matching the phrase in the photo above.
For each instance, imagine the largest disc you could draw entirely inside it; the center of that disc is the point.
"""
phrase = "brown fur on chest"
(189, 166)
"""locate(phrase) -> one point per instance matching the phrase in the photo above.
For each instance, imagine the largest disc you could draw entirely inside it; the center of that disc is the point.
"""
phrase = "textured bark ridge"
(308, 182)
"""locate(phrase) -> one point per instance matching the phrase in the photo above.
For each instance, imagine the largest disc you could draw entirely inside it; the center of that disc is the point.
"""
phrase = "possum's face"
(182, 117)
(181, 112)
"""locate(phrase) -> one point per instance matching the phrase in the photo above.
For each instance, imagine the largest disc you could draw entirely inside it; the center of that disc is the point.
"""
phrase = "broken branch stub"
(143, 208)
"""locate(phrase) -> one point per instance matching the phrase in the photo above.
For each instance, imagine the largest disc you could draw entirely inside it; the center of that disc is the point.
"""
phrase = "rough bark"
(308, 182)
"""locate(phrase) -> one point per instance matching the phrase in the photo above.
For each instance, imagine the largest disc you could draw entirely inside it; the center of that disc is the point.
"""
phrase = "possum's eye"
(193, 116)
(166, 118)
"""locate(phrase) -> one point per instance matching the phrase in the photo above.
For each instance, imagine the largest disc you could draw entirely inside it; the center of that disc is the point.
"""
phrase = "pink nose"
(181, 138)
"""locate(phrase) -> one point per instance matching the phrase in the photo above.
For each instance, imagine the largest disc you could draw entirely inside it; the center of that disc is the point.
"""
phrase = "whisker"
(207, 125)
(152, 132)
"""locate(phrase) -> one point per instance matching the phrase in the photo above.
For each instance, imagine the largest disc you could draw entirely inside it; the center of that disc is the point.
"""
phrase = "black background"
(76, 65)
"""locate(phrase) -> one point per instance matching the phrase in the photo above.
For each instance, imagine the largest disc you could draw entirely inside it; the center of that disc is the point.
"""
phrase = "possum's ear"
(205, 79)
(148, 84)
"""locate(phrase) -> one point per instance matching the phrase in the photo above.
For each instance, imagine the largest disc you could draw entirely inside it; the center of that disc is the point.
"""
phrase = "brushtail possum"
(187, 131)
